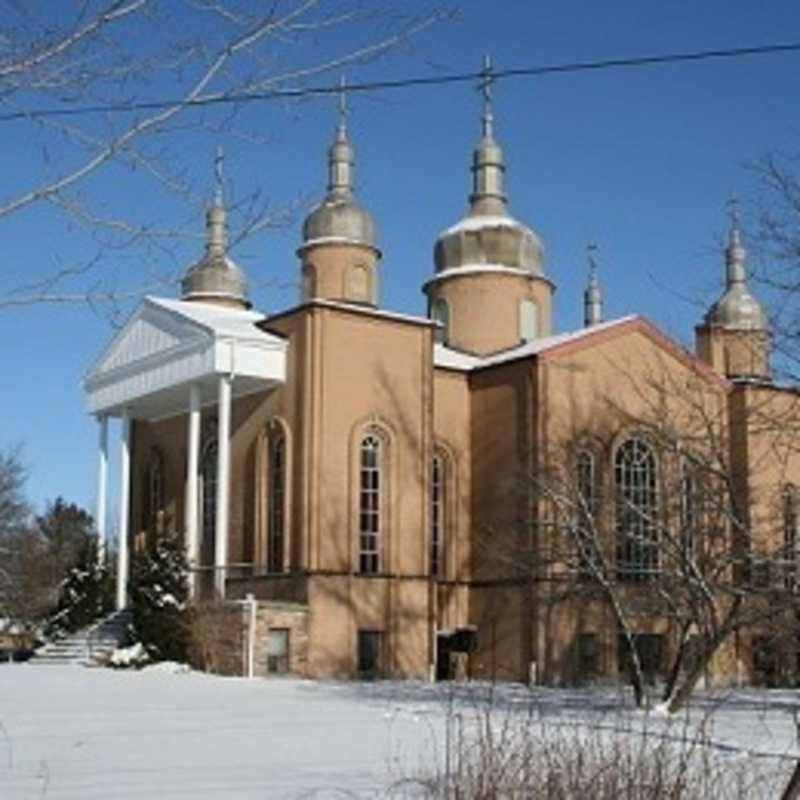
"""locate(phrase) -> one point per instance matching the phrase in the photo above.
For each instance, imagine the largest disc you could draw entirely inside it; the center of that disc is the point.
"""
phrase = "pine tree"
(159, 596)
(85, 594)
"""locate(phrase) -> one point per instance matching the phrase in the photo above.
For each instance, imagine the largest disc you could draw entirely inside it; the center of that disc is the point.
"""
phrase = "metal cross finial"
(591, 249)
(735, 212)
(487, 79)
(343, 110)
(218, 176)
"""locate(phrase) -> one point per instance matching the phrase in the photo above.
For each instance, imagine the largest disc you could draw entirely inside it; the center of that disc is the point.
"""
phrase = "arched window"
(688, 509)
(439, 473)
(276, 499)
(440, 312)
(208, 474)
(154, 500)
(309, 288)
(791, 534)
(584, 477)
(357, 286)
(636, 480)
(370, 503)
(586, 529)
(528, 322)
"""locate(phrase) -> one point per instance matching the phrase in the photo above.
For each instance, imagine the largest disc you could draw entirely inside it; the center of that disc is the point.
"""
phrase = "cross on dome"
(591, 249)
(344, 111)
(485, 86)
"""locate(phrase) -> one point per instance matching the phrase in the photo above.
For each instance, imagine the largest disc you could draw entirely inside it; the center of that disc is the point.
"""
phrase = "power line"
(403, 83)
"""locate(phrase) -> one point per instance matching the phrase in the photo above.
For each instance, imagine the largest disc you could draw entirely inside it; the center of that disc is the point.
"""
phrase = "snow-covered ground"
(70, 732)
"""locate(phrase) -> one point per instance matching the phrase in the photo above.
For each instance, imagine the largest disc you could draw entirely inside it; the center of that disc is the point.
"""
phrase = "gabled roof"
(447, 358)
(167, 344)
(355, 308)
(453, 359)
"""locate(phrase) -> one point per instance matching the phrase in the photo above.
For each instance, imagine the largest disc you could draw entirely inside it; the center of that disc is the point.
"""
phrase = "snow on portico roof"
(168, 344)
(221, 320)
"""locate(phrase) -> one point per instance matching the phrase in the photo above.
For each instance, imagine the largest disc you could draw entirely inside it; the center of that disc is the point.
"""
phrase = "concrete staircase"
(90, 646)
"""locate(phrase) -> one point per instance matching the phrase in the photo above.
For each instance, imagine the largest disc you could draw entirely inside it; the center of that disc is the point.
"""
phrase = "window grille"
(370, 504)
(635, 476)
(438, 515)
(276, 500)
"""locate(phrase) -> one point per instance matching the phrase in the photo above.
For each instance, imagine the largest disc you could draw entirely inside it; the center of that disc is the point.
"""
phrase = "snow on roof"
(478, 268)
(220, 320)
(448, 358)
(372, 312)
(480, 221)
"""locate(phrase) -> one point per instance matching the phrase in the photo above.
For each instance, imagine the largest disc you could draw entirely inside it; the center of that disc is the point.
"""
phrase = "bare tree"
(778, 241)
(14, 509)
(120, 86)
(685, 536)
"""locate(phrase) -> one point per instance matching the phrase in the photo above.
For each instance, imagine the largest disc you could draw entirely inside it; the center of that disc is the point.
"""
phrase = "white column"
(124, 511)
(223, 484)
(102, 488)
(192, 516)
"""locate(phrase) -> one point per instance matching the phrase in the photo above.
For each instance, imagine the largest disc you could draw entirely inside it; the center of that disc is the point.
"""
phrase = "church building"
(417, 496)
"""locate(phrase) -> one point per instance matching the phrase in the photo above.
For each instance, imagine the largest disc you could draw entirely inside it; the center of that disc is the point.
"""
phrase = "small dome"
(492, 240)
(216, 276)
(738, 310)
(340, 218)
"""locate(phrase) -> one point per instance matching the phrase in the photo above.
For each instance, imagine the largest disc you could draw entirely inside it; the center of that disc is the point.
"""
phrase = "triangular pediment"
(149, 334)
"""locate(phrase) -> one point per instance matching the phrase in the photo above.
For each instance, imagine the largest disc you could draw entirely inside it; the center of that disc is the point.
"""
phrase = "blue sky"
(640, 161)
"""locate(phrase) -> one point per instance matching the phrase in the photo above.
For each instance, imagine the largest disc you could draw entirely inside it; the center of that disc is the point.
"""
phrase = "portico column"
(124, 511)
(102, 488)
(223, 484)
(193, 462)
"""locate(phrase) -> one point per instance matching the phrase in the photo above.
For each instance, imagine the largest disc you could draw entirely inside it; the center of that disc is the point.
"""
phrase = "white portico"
(172, 358)
(175, 358)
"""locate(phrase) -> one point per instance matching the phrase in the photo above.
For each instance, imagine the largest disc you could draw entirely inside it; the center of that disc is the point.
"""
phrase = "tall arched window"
(636, 480)
(584, 478)
(688, 509)
(528, 322)
(586, 529)
(791, 535)
(370, 503)
(276, 499)
(439, 520)
(308, 290)
(208, 474)
(155, 491)
(440, 312)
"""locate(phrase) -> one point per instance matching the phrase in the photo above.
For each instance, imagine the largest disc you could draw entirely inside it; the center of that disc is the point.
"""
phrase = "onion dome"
(340, 217)
(488, 236)
(216, 277)
(737, 309)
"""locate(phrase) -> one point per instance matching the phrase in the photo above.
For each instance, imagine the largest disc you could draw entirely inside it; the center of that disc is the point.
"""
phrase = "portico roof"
(168, 344)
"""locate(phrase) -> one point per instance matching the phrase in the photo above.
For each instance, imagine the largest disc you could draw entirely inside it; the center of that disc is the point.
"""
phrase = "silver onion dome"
(340, 217)
(737, 309)
(488, 235)
(216, 276)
